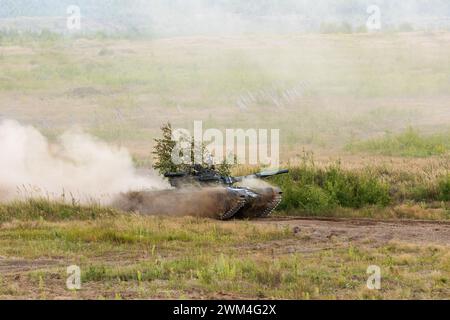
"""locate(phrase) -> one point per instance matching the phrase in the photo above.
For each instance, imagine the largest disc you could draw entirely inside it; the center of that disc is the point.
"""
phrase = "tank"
(236, 199)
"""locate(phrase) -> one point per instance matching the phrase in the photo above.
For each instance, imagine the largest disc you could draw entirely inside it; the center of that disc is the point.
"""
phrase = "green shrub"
(421, 193)
(308, 198)
(315, 190)
(444, 188)
(355, 189)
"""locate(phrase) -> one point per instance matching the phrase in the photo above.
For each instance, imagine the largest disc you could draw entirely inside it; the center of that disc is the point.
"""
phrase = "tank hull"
(223, 203)
(266, 201)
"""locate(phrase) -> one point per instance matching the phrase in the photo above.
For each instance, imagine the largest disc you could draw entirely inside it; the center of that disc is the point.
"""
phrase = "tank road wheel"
(233, 210)
(271, 207)
(265, 202)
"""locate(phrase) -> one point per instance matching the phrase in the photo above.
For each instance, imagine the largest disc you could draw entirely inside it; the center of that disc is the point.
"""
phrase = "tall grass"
(33, 209)
(321, 190)
(315, 190)
(308, 189)
(444, 188)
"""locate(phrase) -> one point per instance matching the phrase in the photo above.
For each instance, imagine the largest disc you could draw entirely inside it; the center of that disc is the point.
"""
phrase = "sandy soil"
(329, 233)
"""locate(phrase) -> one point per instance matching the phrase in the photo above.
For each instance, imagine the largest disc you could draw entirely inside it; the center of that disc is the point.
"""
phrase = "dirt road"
(367, 231)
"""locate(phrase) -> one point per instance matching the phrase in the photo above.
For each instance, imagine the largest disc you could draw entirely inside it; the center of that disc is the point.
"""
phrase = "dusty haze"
(193, 17)
(308, 68)
(77, 166)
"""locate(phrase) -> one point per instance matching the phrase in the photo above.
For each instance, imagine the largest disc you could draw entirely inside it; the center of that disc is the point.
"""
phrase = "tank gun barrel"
(266, 174)
(262, 175)
(175, 174)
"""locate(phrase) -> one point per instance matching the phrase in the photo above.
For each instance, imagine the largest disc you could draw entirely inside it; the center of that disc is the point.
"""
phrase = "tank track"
(231, 212)
(271, 206)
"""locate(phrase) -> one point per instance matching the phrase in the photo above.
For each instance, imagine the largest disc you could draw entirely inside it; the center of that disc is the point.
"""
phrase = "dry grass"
(133, 257)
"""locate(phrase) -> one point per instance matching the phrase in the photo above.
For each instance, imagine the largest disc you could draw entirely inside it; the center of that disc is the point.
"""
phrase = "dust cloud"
(209, 202)
(77, 166)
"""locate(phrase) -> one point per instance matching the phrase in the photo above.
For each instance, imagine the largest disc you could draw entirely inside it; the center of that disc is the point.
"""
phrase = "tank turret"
(244, 202)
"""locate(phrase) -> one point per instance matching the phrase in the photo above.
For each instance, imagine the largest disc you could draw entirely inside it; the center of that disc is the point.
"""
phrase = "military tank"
(236, 199)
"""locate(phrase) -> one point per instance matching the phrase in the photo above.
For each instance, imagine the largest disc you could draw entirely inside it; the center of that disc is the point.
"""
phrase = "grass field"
(373, 109)
(322, 91)
(129, 256)
(410, 143)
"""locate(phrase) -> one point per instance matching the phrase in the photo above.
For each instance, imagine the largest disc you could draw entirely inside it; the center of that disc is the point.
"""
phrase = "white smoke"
(77, 167)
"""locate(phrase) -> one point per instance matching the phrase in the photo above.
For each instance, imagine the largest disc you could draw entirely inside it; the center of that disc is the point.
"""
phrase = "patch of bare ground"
(11, 265)
(313, 235)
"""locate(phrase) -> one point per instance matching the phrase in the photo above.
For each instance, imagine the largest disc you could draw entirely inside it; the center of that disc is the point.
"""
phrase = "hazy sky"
(199, 16)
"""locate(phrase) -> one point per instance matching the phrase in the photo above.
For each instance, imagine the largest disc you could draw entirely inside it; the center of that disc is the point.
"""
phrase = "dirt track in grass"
(312, 235)
(333, 231)
(112, 252)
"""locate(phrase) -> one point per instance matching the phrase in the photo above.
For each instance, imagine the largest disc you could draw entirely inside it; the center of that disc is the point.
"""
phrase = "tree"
(163, 151)
(164, 148)
(224, 168)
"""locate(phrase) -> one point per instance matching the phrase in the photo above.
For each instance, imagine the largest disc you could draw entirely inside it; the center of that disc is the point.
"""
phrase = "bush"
(307, 198)
(444, 188)
(355, 190)
(314, 190)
